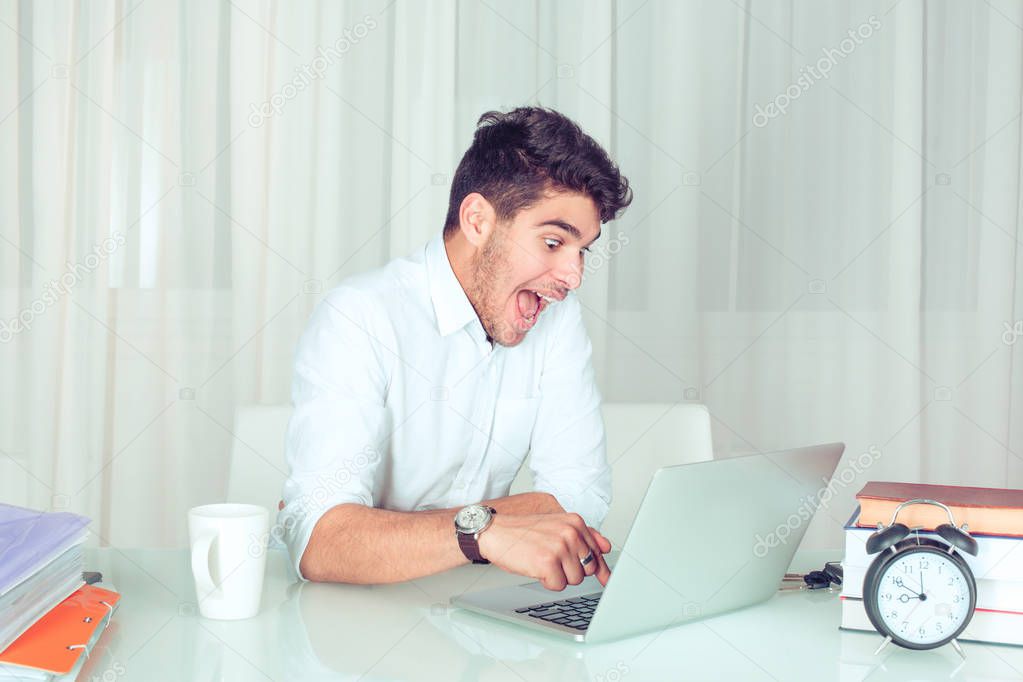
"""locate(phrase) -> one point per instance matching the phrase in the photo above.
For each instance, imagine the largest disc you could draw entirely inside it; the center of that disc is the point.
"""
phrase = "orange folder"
(56, 641)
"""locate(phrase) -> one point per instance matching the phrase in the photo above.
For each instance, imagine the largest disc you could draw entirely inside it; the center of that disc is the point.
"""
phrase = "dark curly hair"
(517, 156)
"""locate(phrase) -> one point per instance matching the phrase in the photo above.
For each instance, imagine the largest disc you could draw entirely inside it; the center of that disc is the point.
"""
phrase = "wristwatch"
(469, 523)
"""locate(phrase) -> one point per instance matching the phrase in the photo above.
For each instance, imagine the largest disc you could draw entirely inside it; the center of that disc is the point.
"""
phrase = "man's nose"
(570, 272)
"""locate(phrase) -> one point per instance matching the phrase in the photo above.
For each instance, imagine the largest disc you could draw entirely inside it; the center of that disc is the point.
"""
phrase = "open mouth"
(530, 304)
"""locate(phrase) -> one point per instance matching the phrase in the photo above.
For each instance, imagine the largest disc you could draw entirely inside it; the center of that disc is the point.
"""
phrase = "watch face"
(472, 518)
(922, 597)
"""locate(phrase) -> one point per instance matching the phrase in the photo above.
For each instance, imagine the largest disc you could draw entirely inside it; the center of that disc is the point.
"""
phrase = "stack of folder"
(49, 618)
(995, 519)
(56, 646)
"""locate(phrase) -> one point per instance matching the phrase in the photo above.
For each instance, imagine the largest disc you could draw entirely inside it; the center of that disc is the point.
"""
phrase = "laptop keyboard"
(574, 613)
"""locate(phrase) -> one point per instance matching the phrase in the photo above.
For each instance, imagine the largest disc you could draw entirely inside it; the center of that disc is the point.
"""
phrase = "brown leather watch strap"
(471, 548)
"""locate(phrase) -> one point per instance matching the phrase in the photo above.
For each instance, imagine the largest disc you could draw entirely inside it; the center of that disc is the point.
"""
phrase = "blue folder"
(31, 539)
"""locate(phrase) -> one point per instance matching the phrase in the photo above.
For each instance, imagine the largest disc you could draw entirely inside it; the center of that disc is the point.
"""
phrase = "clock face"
(472, 518)
(923, 597)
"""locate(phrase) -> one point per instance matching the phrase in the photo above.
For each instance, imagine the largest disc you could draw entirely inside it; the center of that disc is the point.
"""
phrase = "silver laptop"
(709, 537)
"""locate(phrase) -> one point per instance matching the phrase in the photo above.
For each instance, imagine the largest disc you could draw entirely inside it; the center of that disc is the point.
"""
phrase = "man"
(421, 386)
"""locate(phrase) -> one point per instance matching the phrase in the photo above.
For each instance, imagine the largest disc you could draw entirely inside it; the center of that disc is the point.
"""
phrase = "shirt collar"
(450, 303)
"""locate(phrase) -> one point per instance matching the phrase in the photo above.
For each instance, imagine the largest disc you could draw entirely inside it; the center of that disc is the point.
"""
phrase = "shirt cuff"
(295, 523)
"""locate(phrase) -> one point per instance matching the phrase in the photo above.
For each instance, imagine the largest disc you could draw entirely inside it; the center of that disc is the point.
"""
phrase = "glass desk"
(407, 631)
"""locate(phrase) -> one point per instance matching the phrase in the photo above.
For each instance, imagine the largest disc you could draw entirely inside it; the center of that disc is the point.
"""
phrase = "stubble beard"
(490, 268)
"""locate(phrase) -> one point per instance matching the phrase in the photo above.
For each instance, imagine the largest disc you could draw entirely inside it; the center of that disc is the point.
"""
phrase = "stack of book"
(994, 518)
(48, 617)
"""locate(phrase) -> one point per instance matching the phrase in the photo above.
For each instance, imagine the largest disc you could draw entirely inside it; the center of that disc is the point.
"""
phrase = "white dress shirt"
(401, 403)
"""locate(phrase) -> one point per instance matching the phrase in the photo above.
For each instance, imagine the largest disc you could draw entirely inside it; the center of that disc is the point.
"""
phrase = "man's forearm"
(523, 503)
(353, 543)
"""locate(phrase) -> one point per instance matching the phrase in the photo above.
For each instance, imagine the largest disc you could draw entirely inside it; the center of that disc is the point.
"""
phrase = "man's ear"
(477, 218)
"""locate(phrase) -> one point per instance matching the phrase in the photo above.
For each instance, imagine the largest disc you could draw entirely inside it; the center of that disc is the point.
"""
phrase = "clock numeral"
(950, 581)
(924, 564)
(898, 581)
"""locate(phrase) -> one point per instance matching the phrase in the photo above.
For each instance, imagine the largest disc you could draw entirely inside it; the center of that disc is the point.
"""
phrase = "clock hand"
(910, 614)
(912, 592)
(921, 582)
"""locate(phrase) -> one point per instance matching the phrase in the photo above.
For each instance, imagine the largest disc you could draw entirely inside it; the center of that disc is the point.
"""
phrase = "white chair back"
(258, 469)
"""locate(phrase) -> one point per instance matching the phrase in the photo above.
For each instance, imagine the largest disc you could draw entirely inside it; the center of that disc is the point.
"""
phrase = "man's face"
(531, 263)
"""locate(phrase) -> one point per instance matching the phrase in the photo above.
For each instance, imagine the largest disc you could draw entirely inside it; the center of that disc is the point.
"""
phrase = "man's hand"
(548, 547)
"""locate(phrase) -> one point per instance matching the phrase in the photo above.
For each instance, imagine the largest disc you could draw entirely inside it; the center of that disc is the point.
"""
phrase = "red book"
(995, 511)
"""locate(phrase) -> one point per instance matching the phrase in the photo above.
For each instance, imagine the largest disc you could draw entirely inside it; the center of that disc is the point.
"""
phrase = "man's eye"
(552, 243)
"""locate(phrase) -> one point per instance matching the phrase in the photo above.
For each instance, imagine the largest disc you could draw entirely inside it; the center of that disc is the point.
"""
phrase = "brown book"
(995, 511)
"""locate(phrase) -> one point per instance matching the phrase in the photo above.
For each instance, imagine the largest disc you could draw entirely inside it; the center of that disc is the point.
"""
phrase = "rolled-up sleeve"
(338, 392)
(568, 449)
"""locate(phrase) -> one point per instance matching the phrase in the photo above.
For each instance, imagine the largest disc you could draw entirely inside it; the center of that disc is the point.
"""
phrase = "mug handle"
(201, 563)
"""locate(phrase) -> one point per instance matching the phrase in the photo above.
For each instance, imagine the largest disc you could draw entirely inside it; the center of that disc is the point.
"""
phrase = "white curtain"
(823, 244)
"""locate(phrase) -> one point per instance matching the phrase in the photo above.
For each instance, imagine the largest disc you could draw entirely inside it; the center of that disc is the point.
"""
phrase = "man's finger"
(603, 542)
(591, 566)
(555, 579)
(581, 546)
(600, 567)
(603, 571)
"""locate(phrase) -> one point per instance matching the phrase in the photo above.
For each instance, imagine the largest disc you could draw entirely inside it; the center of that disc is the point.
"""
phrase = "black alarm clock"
(919, 592)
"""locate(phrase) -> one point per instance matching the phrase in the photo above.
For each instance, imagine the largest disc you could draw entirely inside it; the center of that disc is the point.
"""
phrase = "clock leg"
(883, 645)
(959, 649)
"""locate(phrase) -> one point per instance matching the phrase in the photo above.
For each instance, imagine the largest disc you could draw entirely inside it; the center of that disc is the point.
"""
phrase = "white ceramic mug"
(228, 558)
